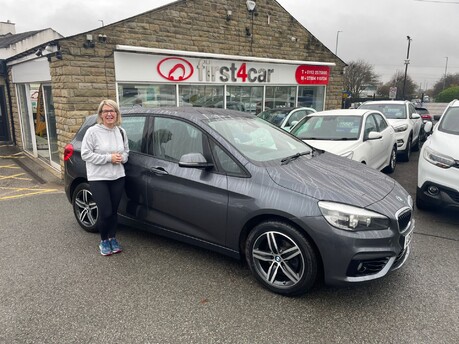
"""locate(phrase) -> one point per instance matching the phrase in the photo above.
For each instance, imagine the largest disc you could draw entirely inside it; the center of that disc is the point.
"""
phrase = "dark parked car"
(231, 182)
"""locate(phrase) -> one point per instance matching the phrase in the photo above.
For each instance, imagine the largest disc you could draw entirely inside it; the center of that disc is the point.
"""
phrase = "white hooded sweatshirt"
(99, 142)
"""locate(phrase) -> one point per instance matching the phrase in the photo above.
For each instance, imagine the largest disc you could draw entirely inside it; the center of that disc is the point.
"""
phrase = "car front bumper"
(437, 186)
(352, 257)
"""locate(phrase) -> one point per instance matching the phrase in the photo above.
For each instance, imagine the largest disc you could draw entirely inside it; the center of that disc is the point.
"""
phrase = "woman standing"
(105, 149)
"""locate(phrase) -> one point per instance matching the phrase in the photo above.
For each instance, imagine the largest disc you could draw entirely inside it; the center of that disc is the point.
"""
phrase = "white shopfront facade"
(156, 77)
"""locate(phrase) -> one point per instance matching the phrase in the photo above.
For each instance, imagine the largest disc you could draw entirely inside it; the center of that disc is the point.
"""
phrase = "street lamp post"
(407, 62)
(337, 36)
(446, 68)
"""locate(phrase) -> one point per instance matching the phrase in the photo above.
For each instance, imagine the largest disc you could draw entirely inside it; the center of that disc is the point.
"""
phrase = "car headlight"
(348, 155)
(438, 159)
(352, 218)
(401, 128)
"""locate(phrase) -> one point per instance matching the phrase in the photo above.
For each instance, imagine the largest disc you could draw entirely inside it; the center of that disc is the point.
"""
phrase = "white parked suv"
(438, 167)
(402, 115)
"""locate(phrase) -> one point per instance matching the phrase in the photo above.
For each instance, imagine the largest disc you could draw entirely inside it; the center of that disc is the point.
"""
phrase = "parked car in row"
(361, 135)
(231, 182)
(438, 166)
(401, 114)
(285, 117)
(426, 117)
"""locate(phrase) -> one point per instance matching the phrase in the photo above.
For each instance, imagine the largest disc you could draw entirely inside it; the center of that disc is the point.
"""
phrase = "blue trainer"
(115, 246)
(105, 248)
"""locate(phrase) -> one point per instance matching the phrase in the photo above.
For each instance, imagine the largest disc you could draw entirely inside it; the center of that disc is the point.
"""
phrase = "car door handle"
(159, 171)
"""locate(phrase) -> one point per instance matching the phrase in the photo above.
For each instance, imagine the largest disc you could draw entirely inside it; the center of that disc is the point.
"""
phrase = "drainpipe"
(8, 92)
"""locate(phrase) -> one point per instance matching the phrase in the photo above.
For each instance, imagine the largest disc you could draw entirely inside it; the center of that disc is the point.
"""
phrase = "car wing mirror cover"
(194, 160)
(428, 127)
(374, 135)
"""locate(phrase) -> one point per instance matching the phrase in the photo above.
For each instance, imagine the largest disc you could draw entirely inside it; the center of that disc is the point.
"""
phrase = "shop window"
(244, 98)
(278, 96)
(311, 96)
(201, 96)
(152, 96)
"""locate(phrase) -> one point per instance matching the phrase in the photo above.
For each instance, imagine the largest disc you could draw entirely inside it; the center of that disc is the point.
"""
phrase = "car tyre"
(416, 145)
(85, 208)
(407, 152)
(281, 258)
(392, 161)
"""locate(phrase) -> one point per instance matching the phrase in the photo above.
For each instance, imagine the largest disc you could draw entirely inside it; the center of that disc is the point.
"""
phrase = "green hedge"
(448, 95)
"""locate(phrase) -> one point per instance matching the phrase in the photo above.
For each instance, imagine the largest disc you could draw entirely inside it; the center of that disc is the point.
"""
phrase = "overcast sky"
(371, 30)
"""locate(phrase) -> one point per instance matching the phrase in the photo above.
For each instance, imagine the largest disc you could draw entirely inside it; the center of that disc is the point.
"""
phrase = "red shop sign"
(312, 75)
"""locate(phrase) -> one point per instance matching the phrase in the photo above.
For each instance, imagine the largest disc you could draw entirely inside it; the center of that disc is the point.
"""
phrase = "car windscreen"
(391, 111)
(328, 128)
(256, 139)
(449, 122)
(275, 117)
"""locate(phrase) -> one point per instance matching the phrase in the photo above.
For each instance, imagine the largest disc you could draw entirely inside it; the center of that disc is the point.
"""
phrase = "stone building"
(238, 54)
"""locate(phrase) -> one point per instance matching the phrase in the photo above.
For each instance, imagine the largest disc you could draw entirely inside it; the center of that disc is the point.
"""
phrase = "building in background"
(243, 55)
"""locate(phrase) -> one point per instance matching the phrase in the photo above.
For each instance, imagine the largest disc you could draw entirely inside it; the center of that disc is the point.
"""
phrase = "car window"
(134, 127)
(275, 117)
(391, 111)
(370, 125)
(329, 128)
(256, 139)
(380, 121)
(226, 162)
(449, 122)
(296, 116)
(173, 138)
(411, 110)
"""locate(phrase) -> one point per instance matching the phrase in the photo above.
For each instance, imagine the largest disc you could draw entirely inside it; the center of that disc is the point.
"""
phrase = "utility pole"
(336, 46)
(446, 68)
(407, 62)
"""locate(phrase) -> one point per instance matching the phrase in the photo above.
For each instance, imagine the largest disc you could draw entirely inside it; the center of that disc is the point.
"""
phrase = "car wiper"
(293, 157)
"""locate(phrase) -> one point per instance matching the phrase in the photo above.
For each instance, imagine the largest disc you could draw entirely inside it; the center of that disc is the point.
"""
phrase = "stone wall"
(85, 76)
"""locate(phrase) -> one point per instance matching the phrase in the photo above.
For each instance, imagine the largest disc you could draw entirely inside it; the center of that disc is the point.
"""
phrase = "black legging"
(107, 194)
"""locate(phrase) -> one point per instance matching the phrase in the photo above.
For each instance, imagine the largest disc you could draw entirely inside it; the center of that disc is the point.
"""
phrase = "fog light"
(360, 267)
(400, 143)
(433, 190)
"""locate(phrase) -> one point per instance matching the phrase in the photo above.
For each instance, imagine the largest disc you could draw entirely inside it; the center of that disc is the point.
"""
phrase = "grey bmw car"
(233, 183)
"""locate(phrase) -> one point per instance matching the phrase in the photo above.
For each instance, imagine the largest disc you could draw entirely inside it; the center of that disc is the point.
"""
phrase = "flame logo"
(175, 69)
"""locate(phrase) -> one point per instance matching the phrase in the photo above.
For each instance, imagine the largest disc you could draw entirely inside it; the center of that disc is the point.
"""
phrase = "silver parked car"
(233, 183)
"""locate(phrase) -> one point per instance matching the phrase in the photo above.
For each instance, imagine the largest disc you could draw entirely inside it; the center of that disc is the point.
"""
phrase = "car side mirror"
(194, 160)
(374, 135)
(428, 127)
(415, 116)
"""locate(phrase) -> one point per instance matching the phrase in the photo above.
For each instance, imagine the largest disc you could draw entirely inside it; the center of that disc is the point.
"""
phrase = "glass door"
(26, 121)
(50, 117)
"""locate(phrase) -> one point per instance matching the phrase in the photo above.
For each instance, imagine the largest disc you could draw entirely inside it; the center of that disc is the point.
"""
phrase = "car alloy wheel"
(281, 258)
(85, 208)
(392, 161)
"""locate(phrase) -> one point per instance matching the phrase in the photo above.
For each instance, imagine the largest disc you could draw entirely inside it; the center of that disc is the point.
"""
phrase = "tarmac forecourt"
(16, 180)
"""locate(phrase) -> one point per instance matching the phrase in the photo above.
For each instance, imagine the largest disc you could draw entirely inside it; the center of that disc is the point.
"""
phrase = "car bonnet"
(332, 178)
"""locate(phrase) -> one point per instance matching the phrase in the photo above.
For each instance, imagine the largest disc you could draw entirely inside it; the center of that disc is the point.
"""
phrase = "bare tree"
(398, 80)
(357, 75)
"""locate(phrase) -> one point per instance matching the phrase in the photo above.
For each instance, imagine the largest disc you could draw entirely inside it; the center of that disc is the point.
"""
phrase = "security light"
(251, 5)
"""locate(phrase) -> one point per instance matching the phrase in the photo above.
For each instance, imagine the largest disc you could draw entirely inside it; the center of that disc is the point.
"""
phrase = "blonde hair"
(114, 106)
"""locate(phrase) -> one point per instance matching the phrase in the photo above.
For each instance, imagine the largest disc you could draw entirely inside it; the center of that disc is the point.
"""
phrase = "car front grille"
(404, 219)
